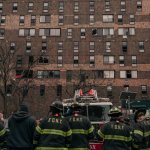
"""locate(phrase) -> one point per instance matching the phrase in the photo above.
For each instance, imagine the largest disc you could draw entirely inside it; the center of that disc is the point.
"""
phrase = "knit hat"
(23, 107)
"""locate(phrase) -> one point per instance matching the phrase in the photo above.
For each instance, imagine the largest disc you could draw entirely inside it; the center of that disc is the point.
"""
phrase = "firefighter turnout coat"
(141, 135)
(82, 132)
(116, 136)
(52, 133)
(2, 135)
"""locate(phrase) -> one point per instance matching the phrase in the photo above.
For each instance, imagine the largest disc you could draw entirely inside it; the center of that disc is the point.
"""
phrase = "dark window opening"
(59, 90)
(42, 90)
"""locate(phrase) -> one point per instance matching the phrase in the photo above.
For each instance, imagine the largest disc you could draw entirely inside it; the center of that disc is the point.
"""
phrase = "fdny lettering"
(117, 127)
(76, 119)
(55, 120)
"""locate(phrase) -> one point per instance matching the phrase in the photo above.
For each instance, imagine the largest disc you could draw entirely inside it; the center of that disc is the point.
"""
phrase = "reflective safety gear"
(57, 104)
(81, 92)
(53, 133)
(116, 136)
(2, 135)
(115, 111)
(82, 132)
(141, 135)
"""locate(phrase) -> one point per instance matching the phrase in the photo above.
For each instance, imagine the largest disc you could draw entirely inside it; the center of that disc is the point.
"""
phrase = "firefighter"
(141, 132)
(53, 132)
(115, 134)
(2, 135)
(82, 130)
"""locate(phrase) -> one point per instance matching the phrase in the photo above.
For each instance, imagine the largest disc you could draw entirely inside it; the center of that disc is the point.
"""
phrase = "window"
(124, 46)
(59, 90)
(15, 7)
(91, 6)
(92, 20)
(42, 90)
(48, 74)
(108, 46)
(2, 33)
(69, 33)
(141, 46)
(144, 89)
(120, 18)
(126, 31)
(45, 7)
(99, 74)
(76, 20)
(49, 32)
(30, 7)
(97, 32)
(109, 74)
(26, 32)
(61, 6)
(107, 5)
(44, 46)
(76, 47)
(108, 31)
(31, 60)
(139, 5)
(76, 6)
(121, 60)
(109, 90)
(1, 7)
(132, 19)
(92, 47)
(59, 61)
(28, 47)
(108, 18)
(134, 61)
(60, 47)
(45, 19)
(19, 61)
(21, 20)
(25, 91)
(61, 20)
(82, 34)
(69, 76)
(43, 59)
(76, 60)
(92, 61)
(123, 5)
(12, 47)
(128, 74)
(33, 20)
(108, 59)
(2, 19)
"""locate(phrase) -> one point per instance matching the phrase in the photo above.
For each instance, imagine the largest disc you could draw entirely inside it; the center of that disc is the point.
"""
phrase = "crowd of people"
(73, 131)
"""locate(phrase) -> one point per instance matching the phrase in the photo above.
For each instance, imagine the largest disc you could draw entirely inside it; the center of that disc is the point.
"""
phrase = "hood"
(20, 115)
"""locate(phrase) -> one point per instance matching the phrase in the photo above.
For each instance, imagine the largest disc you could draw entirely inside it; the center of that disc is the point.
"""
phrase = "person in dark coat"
(21, 127)
(116, 135)
(3, 134)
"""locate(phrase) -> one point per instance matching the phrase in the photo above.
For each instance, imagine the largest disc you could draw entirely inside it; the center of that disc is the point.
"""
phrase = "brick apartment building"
(100, 43)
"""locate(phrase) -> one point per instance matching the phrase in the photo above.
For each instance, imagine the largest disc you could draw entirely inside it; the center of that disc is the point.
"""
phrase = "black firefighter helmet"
(57, 106)
(115, 112)
(75, 107)
(139, 113)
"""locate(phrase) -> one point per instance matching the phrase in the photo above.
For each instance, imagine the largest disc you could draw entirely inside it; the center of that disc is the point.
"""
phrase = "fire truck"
(94, 107)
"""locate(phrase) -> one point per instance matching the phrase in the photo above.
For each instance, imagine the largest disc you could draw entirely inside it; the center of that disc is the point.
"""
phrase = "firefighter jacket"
(21, 127)
(52, 133)
(141, 135)
(82, 132)
(2, 135)
(116, 136)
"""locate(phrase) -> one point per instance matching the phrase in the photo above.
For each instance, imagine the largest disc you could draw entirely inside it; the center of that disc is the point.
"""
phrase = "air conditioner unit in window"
(43, 51)
(43, 37)
(124, 36)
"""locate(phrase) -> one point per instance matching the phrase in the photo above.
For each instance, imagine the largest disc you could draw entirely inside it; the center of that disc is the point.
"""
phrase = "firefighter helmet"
(75, 106)
(57, 105)
(115, 111)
